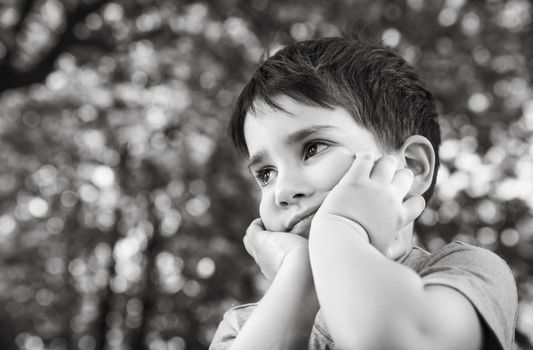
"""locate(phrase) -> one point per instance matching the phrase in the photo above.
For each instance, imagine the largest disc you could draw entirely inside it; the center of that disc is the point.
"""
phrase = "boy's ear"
(420, 158)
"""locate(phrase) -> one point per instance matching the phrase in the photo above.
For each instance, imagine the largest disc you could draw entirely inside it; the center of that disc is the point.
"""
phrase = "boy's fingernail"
(393, 251)
(396, 248)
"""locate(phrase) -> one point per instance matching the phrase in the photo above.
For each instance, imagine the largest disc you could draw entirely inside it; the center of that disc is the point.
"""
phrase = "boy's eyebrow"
(292, 138)
(256, 159)
(301, 135)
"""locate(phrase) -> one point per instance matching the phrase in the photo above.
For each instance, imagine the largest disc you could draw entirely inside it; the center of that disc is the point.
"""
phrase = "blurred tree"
(122, 202)
(36, 33)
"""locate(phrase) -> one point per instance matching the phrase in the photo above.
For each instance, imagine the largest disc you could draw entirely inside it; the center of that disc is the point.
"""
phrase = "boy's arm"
(368, 301)
(284, 317)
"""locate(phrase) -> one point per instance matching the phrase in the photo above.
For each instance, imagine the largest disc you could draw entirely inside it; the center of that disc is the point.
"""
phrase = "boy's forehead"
(290, 113)
(294, 114)
(292, 119)
(265, 122)
(287, 106)
(295, 121)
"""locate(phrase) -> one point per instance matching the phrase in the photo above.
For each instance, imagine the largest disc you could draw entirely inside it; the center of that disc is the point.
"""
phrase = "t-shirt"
(479, 274)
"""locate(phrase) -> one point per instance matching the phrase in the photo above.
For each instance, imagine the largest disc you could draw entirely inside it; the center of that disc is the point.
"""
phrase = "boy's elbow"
(454, 333)
(358, 342)
(396, 335)
(353, 341)
(369, 339)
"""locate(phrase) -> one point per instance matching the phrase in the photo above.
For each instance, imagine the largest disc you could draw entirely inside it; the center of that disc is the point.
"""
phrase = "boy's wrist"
(297, 264)
(297, 259)
(328, 222)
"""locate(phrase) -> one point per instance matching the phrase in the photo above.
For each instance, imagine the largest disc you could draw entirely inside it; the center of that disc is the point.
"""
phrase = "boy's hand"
(269, 249)
(373, 197)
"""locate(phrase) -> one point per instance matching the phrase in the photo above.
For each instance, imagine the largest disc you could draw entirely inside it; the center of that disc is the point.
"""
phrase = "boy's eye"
(263, 176)
(314, 148)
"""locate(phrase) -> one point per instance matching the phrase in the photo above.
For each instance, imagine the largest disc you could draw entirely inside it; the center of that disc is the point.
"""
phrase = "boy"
(336, 226)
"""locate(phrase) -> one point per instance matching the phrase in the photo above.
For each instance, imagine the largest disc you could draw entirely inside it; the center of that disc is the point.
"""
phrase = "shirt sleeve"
(230, 326)
(486, 281)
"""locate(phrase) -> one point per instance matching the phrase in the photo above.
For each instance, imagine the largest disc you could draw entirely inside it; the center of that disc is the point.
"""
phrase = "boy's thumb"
(414, 206)
(396, 249)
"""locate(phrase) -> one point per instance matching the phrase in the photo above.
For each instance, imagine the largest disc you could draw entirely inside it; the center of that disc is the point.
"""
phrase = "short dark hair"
(375, 85)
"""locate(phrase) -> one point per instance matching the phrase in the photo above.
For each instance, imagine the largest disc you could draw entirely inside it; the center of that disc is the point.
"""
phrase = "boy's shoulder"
(456, 257)
(459, 254)
(482, 277)
(466, 268)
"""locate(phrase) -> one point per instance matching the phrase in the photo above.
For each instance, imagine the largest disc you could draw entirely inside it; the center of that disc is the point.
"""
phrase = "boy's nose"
(290, 189)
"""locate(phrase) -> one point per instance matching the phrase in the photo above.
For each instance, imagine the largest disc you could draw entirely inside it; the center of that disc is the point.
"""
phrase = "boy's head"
(370, 84)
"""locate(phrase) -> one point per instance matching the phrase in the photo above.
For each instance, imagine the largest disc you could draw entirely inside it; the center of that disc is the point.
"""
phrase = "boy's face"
(298, 158)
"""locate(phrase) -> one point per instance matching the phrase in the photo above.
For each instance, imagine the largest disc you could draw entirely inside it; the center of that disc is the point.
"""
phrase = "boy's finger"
(256, 225)
(253, 236)
(361, 167)
(247, 241)
(403, 181)
(384, 169)
(397, 248)
(414, 206)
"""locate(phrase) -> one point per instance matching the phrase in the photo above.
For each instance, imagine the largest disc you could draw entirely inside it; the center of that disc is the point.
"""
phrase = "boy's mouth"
(301, 223)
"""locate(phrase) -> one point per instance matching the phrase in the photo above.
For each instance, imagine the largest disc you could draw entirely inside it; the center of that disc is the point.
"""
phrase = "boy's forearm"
(365, 297)
(285, 315)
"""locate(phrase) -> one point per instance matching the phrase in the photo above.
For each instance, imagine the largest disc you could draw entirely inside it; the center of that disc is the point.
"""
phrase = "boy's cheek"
(333, 169)
(335, 166)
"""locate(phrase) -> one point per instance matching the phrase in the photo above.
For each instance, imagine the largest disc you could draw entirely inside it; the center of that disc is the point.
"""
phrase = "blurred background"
(122, 202)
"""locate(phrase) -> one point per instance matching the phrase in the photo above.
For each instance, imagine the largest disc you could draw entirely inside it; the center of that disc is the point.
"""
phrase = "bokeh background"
(122, 203)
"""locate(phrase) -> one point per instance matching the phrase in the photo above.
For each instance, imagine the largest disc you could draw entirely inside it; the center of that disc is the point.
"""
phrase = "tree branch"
(25, 10)
(12, 78)
(8, 37)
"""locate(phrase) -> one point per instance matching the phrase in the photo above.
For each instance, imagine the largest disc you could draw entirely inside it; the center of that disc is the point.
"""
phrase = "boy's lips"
(301, 222)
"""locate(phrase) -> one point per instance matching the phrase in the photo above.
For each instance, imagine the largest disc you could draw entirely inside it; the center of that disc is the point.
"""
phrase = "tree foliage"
(122, 202)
